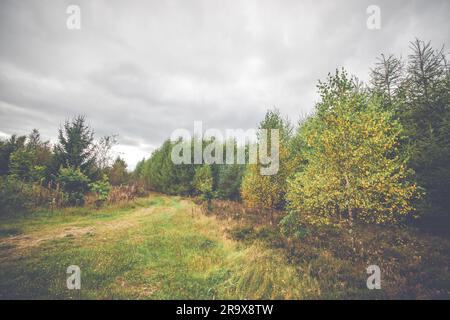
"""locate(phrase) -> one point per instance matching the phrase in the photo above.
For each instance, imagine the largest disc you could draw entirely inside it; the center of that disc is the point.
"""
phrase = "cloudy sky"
(142, 69)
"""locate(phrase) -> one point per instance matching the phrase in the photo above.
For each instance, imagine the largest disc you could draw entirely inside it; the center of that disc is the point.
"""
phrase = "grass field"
(165, 247)
(158, 247)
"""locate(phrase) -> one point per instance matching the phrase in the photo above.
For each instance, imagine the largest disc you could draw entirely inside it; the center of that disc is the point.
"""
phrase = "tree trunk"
(350, 214)
(350, 231)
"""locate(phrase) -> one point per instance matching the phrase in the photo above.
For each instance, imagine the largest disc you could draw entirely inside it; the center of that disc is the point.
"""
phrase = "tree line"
(373, 152)
(35, 173)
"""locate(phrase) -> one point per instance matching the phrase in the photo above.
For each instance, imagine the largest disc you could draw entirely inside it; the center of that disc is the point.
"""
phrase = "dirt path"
(18, 243)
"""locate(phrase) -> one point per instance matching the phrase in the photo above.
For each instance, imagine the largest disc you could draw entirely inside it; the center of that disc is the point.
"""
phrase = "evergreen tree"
(118, 172)
(229, 181)
(387, 76)
(75, 148)
(163, 175)
(7, 148)
(426, 117)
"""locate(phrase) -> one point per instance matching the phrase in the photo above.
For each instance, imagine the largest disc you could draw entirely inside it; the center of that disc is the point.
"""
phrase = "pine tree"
(426, 117)
(118, 172)
(75, 148)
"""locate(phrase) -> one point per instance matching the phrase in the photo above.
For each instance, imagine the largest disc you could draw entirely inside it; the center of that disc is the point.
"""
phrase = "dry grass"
(154, 248)
(414, 265)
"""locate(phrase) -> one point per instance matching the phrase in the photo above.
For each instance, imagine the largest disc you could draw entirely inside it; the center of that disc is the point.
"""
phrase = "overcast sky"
(141, 69)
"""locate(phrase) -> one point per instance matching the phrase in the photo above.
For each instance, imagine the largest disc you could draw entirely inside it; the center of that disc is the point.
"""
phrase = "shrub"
(126, 192)
(75, 185)
(19, 196)
(101, 188)
(291, 226)
(203, 183)
(12, 193)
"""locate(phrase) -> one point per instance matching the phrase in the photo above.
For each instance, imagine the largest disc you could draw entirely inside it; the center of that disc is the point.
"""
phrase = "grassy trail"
(159, 247)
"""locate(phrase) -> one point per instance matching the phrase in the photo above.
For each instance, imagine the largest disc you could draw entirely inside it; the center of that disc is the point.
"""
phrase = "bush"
(12, 195)
(101, 188)
(290, 226)
(18, 196)
(203, 183)
(126, 192)
(75, 185)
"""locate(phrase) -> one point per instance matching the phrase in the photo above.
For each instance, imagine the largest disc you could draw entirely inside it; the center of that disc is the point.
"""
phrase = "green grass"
(163, 247)
(153, 248)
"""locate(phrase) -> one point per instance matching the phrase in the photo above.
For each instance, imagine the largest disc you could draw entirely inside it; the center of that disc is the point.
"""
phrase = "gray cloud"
(141, 69)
